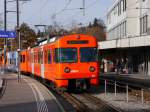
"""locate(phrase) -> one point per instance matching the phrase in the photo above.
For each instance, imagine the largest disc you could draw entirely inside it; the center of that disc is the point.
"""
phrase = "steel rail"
(102, 105)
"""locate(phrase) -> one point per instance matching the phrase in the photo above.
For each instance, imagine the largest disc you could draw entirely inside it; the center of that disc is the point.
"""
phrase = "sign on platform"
(7, 34)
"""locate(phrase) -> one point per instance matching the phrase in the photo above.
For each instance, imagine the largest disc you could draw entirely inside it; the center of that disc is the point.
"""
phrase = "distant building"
(128, 33)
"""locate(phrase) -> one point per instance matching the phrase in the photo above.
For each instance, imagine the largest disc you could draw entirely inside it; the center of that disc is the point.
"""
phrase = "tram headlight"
(92, 69)
(67, 70)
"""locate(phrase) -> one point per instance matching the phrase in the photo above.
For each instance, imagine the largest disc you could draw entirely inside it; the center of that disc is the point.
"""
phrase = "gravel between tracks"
(133, 105)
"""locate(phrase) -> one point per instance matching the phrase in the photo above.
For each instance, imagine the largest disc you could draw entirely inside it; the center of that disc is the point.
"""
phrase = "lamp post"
(5, 28)
(18, 35)
(83, 7)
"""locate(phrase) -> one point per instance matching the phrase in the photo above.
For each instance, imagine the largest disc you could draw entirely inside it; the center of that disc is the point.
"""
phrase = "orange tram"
(66, 62)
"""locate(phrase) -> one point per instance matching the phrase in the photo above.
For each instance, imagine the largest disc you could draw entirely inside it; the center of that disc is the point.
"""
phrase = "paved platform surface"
(132, 79)
(26, 96)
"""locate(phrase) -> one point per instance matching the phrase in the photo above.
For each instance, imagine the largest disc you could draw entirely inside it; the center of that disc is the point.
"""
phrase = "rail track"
(100, 105)
(80, 106)
(88, 103)
(83, 102)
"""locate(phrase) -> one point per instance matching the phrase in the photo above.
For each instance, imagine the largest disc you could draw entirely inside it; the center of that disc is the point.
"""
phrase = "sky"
(65, 12)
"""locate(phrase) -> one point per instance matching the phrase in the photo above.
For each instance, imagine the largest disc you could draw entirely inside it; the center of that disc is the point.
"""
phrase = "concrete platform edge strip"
(58, 103)
(2, 88)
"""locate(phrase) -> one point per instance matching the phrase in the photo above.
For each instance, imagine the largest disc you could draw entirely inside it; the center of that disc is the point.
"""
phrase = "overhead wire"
(89, 6)
(66, 6)
(92, 4)
(40, 9)
(62, 10)
(66, 20)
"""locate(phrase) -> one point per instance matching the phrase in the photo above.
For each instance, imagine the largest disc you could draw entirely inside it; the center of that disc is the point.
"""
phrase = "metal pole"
(83, 7)
(105, 86)
(115, 89)
(142, 96)
(18, 35)
(5, 28)
(127, 93)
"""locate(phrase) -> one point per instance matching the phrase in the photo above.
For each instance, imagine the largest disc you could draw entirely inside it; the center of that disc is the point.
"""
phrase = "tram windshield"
(88, 54)
(66, 55)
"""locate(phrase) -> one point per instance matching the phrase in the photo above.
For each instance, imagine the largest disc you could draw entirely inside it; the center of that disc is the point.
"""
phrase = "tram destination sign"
(7, 34)
(77, 42)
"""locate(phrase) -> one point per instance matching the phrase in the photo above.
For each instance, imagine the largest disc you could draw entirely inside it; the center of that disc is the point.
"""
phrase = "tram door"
(42, 63)
(32, 61)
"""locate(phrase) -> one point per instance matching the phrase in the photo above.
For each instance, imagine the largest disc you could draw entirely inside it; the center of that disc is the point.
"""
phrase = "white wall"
(115, 19)
(125, 43)
(133, 21)
(136, 9)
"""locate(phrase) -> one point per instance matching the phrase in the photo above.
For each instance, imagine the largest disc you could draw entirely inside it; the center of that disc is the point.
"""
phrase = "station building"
(128, 35)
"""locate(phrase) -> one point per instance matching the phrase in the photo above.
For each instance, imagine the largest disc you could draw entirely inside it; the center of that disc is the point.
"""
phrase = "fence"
(125, 86)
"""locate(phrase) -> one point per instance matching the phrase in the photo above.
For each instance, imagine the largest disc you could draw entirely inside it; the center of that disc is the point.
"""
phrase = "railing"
(127, 86)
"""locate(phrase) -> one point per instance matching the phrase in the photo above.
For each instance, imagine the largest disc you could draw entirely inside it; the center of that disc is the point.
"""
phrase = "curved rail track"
(85, 102)
(88, 103)
(99, 105)
(80, 106)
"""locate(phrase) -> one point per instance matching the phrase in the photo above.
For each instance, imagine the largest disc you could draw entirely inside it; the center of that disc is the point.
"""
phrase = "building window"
(118, 32)
(124, 5)
(109, 18)
(120, 8)
(143, 24)
(124, 29)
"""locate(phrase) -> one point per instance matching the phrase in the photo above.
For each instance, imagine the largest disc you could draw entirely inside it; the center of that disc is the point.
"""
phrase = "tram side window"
(20, 58)
(23, 58)
(26, 57)
(30, 57)
(41, 57)
(49, 57)
(34, 57)
(45, 57)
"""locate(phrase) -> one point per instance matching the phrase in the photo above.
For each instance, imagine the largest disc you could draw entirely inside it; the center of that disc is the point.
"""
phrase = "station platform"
(137, 80)
(27, 95)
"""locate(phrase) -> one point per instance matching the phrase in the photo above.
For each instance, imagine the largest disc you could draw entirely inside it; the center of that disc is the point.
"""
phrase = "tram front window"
(66, 55)
(88, 54)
